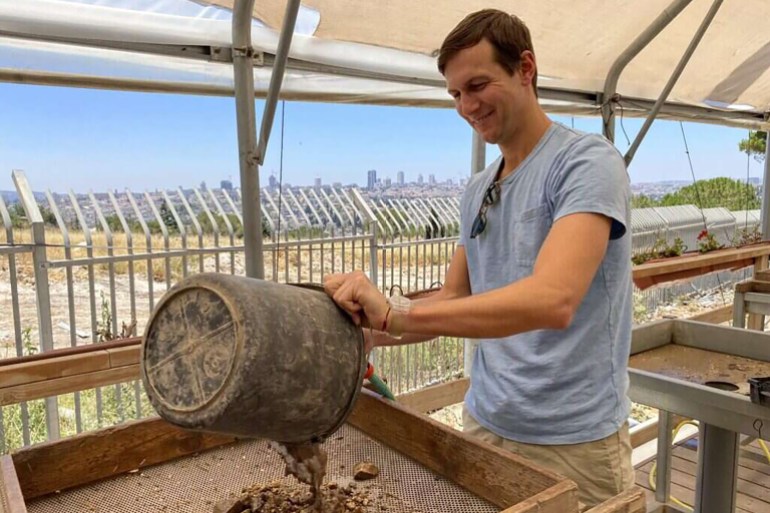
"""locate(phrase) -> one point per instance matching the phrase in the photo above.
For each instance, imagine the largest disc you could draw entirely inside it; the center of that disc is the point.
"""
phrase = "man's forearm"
(383, 339)
(522, 306)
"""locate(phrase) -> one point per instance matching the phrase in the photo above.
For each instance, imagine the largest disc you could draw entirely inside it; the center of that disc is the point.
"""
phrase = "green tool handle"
(381, 388)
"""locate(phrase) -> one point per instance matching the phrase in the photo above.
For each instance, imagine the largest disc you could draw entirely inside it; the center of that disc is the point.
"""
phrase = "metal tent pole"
(251, 156)
(641, 41)
(673, 79)
(764, 219)
(478, 163)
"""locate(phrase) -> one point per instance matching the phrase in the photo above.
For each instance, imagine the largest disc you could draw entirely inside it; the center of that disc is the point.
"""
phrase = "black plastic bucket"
(253, 358)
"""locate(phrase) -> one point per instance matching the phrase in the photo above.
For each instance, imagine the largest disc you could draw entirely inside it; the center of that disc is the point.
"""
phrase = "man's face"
(486, 95)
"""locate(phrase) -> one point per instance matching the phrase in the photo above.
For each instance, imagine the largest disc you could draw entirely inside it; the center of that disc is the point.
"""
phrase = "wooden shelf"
(691, 265)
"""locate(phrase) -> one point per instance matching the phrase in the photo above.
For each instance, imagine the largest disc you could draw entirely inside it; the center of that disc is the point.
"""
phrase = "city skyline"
(83, 139)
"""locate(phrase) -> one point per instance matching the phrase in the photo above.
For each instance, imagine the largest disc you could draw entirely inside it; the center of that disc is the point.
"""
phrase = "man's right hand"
(359, 297)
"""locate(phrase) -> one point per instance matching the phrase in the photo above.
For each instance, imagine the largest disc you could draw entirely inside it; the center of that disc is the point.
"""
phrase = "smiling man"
(541, 275)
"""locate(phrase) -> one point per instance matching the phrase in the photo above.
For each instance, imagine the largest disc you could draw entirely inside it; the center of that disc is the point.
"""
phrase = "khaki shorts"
(601, 469)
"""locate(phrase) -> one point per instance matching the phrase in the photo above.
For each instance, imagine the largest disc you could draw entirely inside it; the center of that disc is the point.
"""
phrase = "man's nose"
(468, 104)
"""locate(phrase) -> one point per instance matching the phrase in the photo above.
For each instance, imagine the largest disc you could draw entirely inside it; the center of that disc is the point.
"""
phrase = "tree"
(642, 201)
(48, 217)
(154, 227)
(266, 231)
(113, 222)
(755, 145)
(168, 218)
(18, 216)
(716, 192)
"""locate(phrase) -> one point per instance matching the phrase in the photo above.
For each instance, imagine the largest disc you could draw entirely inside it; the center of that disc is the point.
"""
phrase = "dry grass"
(283, 258)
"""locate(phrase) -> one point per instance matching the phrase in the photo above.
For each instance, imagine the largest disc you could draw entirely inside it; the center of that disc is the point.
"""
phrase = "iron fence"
(84, 268)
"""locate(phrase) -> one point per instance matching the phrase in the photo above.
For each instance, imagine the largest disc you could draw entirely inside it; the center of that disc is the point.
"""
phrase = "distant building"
(432, 179)
(337, 185)
(226, 185)
(387, 182)
(203, 186)
(317, 183)
(273, 181)
(400, 178)
(419, 179)
(371, 179)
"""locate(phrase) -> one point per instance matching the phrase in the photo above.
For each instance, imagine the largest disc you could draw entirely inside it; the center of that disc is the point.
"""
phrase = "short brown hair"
(508, 35)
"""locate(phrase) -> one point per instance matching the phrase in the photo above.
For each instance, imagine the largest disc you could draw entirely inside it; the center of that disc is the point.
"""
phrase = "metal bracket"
(221, 54)
(257, 57)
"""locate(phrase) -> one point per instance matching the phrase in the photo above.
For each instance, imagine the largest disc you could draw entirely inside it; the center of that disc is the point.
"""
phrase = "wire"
(692, 173)
(700, 202)
(763, 445)
(678, 427)
(654, 468)
(622, 126)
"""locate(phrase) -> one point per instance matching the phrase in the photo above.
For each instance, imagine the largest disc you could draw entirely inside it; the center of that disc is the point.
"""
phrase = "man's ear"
(528, 67)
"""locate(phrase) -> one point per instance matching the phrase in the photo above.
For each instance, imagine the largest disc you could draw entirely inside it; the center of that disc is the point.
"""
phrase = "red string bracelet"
(385, 321)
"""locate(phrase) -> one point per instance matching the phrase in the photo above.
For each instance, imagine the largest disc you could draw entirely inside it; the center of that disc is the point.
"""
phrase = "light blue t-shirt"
(553, 386)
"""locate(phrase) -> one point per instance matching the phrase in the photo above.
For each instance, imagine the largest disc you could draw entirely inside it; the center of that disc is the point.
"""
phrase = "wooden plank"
(11, 498)
(68, 370)
(52, 466)
(126, 355)
(758, 310)
(648, 430)
(750, 482)
(549, 500)
(753, 470)
(436, 397)
(631, 501)
(695, 262)
(50, 368)
(498, 476)
(65, 385)
(101, 346)
(762, 287)
(683, 476)
(715, 316)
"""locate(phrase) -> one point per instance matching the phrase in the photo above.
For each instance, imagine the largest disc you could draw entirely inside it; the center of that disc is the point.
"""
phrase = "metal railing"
(86, 268)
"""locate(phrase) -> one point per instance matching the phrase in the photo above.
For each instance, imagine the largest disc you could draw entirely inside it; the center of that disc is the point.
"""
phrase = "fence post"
(373, 222)
(367, 211)
(757, 321)
(42, 291)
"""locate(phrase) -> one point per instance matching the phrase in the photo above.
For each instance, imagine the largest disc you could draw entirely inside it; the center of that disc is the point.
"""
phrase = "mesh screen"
(196, 483)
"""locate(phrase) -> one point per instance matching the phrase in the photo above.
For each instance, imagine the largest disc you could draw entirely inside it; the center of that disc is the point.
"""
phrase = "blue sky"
(84, 139)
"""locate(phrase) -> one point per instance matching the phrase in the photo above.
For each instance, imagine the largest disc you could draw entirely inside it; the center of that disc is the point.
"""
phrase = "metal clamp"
(759, 391)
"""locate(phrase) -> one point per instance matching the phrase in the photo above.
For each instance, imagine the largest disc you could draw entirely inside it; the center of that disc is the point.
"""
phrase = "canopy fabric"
(383, 52)
(577, 42)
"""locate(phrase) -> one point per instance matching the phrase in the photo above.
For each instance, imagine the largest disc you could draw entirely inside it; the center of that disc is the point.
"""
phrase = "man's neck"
(521, 145)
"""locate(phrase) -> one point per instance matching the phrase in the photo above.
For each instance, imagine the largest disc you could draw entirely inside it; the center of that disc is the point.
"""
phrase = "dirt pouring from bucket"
(307, 463)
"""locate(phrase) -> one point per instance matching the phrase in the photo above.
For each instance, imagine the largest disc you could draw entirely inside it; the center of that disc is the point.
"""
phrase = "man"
(541, 275)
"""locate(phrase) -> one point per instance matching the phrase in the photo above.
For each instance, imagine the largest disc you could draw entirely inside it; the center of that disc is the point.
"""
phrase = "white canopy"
(382, 51)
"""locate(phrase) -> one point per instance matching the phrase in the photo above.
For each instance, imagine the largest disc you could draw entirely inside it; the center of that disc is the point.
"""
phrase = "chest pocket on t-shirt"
(531, 230)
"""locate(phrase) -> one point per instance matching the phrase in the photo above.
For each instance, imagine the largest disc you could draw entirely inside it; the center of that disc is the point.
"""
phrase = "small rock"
(364, 471)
